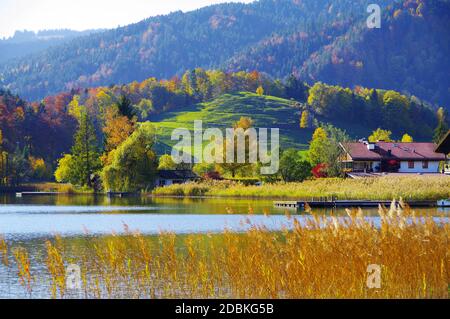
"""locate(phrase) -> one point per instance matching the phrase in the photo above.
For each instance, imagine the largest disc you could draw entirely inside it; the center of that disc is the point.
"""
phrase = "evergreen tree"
(125, 107)
(442, 127)
(85, 152)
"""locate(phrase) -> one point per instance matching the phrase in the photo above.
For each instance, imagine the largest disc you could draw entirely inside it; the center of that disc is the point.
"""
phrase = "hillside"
(163, 46)
(410, 53)
(224, 111)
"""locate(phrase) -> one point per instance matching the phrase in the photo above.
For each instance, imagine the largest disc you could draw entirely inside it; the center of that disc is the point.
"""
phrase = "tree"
(319, 147)
(125, 107)
(65, 172)
(442, 127)
(166, 162)
(202, 169)
(407, 138)
(85, 152)
(20, 166)
(235, 167)
(117, 128)
(293, 168)
(134, 163)
(334, 152)
(260, 91)
(380, 135)
(304, 119)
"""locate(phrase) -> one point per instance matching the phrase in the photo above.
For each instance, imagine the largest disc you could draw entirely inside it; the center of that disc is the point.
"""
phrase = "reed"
(315, 257)
(382, 188)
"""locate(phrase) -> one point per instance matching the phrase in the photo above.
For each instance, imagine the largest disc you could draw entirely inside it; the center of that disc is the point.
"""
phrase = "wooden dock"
(346, 203)
(20, 194)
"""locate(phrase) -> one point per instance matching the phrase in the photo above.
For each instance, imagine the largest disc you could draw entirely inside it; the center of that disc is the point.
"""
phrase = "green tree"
(125, 107)
(442, 127)
(319, 147)
(166, 162)
(133, 165)
(85, 152)
(334, 151)
(20, 166)
(293, 168)
(406, 138)
(380, 135)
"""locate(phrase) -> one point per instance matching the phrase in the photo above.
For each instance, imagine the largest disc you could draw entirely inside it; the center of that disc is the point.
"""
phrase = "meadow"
(318, 257)
(383, 188)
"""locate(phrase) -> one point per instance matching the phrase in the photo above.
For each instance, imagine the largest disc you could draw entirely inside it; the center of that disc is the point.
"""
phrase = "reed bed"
(382, 188)
(320, 257)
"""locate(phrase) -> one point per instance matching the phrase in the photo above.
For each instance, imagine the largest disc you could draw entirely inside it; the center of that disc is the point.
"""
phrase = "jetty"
(346, 203)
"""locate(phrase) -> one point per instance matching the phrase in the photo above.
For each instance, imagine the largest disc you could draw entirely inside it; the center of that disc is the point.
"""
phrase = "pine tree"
(125, 107)
(85, 152)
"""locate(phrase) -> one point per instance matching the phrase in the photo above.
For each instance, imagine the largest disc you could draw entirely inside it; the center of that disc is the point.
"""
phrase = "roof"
(177, 174)
(358, 151)
(444, 145)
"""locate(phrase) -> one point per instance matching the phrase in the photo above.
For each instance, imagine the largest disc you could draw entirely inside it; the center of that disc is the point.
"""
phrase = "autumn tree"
(117, 128)
(380, 135)
(260, 91)
(133, 165)
(234, 167)
(304, 119)
(406, 138)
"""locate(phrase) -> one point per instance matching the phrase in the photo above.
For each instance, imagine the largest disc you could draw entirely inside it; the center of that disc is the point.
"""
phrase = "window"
(411, 164)
(425, 164)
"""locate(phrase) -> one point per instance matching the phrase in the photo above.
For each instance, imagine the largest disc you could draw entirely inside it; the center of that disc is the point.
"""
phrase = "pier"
(346, 203)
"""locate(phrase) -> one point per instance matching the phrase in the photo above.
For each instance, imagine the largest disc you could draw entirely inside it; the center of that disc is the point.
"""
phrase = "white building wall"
(433, 167)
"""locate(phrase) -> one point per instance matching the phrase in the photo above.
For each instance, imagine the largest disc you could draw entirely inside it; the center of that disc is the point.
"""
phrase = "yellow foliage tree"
(407, 138)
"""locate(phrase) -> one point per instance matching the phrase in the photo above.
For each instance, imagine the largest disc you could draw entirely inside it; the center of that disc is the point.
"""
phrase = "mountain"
(164, 46)
(317, 40)
(25, 42)
(409, 53)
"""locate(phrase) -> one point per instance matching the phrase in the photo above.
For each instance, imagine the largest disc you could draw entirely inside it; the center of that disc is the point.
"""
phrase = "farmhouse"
(169, 177)
(391, 157)
(444, 148)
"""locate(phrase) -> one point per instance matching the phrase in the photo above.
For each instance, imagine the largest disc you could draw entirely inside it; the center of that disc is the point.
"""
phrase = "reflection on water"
(29, 221)
(41, 216)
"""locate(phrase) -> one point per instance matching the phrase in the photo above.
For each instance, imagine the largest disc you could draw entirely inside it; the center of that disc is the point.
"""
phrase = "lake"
(42, 216)
(30, 220)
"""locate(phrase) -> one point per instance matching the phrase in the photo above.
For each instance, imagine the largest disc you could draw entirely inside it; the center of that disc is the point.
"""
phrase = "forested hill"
(409, 53)
(45, 130)
(317, 40)
(163, 46)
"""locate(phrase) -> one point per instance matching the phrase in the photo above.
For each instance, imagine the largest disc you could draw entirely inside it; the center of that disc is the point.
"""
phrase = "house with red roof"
(391, 157)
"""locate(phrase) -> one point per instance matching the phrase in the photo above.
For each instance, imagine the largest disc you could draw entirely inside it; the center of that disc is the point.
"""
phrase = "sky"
(34, 15)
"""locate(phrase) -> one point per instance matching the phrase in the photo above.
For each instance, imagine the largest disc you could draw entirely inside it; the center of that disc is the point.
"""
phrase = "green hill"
(265, 111)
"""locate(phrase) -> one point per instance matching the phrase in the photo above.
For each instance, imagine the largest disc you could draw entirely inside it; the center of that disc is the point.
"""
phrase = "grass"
(383, 188)
(266, 111)
(324, 257)
(59, 188)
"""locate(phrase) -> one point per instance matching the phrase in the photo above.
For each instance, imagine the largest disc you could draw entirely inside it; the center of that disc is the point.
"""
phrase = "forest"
(316, 40)
(86, 131)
